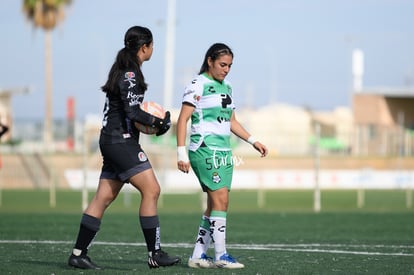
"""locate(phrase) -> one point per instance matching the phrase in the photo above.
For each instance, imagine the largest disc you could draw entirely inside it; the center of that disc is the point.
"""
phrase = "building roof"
(389, 92)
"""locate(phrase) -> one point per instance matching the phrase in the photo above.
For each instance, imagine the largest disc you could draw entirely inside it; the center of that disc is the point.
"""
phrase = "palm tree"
(46, 14)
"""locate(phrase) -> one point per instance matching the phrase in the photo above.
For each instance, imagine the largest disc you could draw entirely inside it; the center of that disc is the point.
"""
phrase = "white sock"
(218, 229)
(203, 238)
(76, 252)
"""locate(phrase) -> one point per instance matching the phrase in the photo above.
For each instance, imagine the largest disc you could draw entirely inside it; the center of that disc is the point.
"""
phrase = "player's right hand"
(183, 162)
(163, 125)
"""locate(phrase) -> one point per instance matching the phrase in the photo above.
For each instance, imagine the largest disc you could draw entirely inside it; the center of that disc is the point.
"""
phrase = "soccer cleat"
(161, 258)
(82, 261)
(203, 262)
(227, 261)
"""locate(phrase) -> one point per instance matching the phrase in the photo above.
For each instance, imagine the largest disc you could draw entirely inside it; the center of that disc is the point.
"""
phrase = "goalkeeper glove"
(162, 124)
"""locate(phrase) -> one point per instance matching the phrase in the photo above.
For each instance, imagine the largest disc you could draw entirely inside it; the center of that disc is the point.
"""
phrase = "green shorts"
(214, 169)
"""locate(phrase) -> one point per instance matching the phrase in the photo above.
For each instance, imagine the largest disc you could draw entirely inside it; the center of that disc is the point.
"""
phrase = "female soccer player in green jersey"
(208, 101)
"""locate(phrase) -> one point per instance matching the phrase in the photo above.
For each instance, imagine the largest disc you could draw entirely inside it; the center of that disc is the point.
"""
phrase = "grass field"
(282, 237)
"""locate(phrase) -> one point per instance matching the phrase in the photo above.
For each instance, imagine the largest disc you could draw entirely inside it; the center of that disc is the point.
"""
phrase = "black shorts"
(121, 161)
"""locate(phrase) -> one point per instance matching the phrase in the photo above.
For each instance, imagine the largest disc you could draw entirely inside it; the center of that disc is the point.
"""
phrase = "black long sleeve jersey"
(3, 129)
(122, 110)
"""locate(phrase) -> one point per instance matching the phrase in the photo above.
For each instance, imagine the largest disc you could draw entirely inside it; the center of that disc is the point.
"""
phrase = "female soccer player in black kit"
(123, 159)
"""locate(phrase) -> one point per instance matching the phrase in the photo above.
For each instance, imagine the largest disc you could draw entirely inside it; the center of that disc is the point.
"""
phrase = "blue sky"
(287, 51)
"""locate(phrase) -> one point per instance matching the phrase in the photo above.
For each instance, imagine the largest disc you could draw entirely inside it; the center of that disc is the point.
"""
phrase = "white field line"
(358, 249)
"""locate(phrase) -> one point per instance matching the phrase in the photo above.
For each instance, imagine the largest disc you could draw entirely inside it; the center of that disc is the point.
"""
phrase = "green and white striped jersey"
(210, 121)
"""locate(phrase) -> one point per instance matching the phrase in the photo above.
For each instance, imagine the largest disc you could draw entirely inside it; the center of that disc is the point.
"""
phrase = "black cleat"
(82, 261)
(161, 258)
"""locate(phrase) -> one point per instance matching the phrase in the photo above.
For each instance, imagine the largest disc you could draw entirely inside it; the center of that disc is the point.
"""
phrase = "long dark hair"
(126, 58)
(215, 51)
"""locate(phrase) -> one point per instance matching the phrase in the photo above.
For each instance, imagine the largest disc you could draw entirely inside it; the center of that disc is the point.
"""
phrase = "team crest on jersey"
(216, 177)
(130, 77)
(142, 157)
(211, 89)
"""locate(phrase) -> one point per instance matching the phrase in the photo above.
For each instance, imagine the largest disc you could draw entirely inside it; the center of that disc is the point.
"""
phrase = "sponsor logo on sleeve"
(134, 99)
(130, 77)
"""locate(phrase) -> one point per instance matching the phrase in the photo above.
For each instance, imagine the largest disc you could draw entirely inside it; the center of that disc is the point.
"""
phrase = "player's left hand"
(262, 149)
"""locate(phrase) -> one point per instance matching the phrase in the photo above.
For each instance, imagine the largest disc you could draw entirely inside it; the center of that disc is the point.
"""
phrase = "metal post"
(169, 55)
(52, 186)
(85, 168)
(168, 86)
(401, 155)
(317, 191)
(360, 198)
(48, 132)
